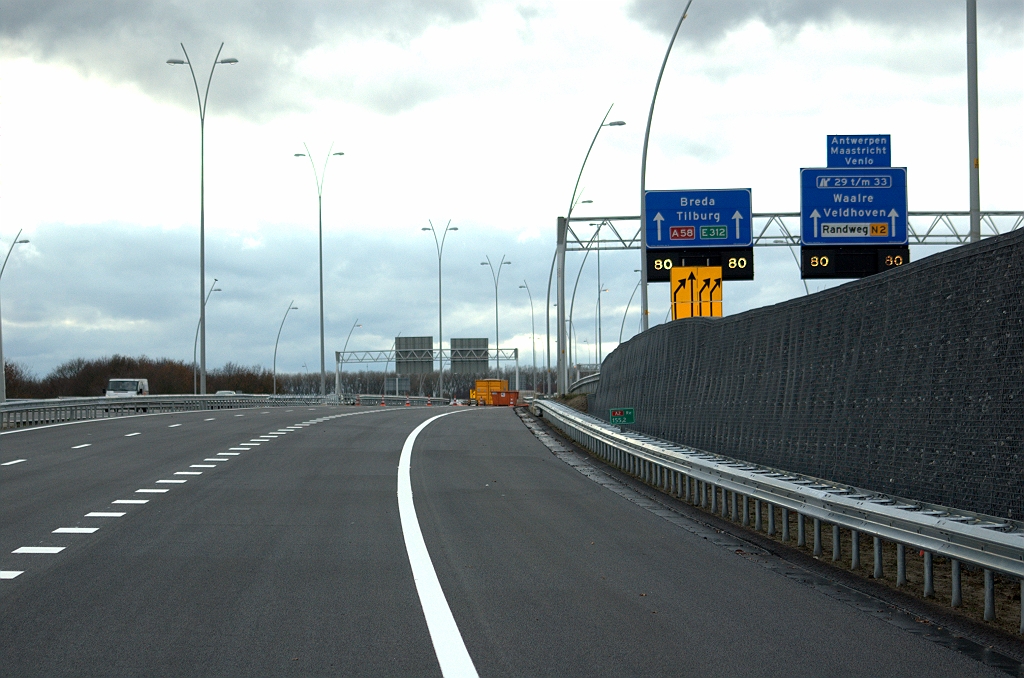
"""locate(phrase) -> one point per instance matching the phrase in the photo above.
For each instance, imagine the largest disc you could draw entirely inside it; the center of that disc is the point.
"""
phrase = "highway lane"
(289, 559)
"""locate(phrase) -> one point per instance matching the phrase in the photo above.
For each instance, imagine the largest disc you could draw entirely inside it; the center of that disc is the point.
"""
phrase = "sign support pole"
(562, 383)
(972, 117)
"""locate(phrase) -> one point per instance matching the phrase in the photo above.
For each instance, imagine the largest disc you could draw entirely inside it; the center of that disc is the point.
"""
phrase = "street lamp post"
(643, 178)
(337, 375)
(496, 275)
(202, 199)
(291, 307)
(439, 245)
(3, 371)
(213, 288)
(560, 347)
(320, 215)
(533, 332)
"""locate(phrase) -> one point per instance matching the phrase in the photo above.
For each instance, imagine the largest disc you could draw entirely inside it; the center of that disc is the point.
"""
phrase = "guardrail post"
(785, 524)
(771, 519)
(817, 537)
(724, 502)
(990, 596)
(929, 583)
(735, 509)
(746, 511)
(714, 499)
(801, 535)
(955, 599)
(1022, 607)
(901, 565)
(837, 545)
(686, 488)
(854, 550)
(877, 547)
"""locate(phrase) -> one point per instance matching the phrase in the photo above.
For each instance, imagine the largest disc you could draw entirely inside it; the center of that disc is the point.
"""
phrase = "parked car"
(225, 393)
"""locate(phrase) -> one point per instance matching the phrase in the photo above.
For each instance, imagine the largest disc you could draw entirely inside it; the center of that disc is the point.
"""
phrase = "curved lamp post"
(3, 371)
(533, 333)
(572, 204)
(643, 178)
(496, 275)
(337, 376)
(320, 213)
(439, 245)
(291, 307)
(202, 199)
(213, 288)
(623, 325)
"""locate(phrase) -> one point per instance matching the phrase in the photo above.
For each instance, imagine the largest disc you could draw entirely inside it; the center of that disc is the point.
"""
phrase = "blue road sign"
(702, 218)
(859, 150)
(853, 206)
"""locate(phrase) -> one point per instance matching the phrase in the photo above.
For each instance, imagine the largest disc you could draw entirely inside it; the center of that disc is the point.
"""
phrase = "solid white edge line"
(449, 647)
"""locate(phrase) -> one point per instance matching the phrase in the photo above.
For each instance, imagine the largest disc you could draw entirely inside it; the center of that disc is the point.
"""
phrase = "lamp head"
(616, 123)
(300, 155)
(229, 60)
(454, 228)
(22, 242)
(338, 153)
(217, 289)
(506, 263)
(483, 263)
(175, 62)
(586, 202)
(425, 228)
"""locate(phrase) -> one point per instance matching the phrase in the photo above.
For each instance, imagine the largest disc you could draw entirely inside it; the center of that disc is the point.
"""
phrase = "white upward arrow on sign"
(815, 216)
(892, 218)
(658, 219)
(736, 217)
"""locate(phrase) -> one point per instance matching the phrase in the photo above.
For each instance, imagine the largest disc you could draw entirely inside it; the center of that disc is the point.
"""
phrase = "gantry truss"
(782, 229)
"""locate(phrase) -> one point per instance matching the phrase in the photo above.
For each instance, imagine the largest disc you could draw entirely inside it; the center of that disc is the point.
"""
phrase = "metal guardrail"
(587, 384)
(20, 414)
(993, 544)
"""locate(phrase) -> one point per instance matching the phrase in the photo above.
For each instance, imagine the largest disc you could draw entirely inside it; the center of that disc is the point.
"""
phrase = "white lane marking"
(150, 491)
(174, 425)
(78, 447)
(75, 530)
(210, 419)
(214, 459)
(39, 549)
(188, 473)
(229, 454)
(202, 466)
(239, 415)
(172, 481)
(133, 501)
(449, 647)
(13, 462)
(10, 574)
(129, 435)
(239, 449)
(105, 514)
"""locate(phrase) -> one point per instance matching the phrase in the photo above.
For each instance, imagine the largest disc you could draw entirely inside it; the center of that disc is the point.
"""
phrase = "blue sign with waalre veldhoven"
(859, 150)
(853, 206)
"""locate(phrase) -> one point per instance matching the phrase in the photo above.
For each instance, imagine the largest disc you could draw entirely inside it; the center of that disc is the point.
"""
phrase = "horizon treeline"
(83, 378)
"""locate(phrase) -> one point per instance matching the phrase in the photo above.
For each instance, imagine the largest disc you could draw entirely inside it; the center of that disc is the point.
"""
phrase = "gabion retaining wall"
(910, 382)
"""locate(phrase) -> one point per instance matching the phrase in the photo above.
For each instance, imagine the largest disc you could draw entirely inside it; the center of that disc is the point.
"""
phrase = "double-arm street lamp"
(319, 177)
(291, 307)
(533, 332)
(337, 375)
(439, 245)
(213, 288)
(3, 372)
(496, 275)
(202, 199)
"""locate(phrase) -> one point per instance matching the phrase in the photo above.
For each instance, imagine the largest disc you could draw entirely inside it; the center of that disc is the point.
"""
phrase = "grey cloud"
(128, 41)
(709, 20)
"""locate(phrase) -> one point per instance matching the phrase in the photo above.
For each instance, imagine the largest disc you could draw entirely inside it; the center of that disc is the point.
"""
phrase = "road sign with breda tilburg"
(698, 218)
(853, 206)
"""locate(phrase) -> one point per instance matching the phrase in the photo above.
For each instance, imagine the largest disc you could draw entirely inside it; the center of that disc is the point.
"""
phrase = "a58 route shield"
(698, 218)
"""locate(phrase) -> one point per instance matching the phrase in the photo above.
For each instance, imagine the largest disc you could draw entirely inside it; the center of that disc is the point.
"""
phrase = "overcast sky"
(474, 111)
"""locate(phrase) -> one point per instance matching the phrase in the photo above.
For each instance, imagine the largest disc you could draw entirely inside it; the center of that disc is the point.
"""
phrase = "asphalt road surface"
(284, 552)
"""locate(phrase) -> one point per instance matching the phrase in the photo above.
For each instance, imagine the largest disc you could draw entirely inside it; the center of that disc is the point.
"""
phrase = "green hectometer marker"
(622, 415)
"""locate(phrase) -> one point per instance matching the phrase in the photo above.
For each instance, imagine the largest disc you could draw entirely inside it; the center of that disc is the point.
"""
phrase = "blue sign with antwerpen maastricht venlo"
(714, 217)
(859, 150)
(853, 206)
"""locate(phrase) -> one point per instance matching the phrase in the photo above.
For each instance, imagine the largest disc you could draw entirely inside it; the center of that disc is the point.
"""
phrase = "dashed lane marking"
(210, 419)
(75, 530)
(134, 501)
(129, 435)
(229, 454)
(188, 473)
(10, 574)
(202, 466)
(106, 514)
(151, 491)
(78, 447)
(238, 449)
(239, 415)
(215, 459)
(174, 425)
(176, 482)
(39, 549)
(13, 462)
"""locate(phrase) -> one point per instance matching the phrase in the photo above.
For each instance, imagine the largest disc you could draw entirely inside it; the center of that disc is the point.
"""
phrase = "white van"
(127, 388)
